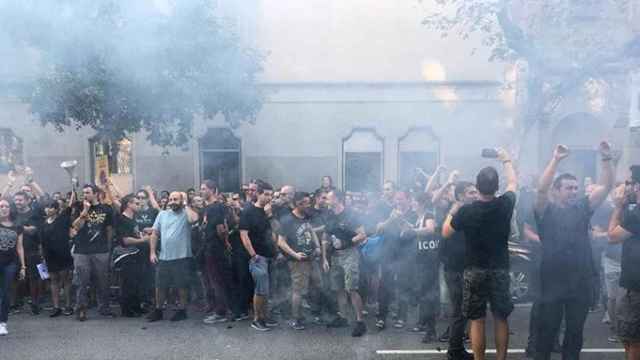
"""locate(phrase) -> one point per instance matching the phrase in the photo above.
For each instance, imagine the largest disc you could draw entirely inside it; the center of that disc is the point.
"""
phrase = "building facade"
(358, 91)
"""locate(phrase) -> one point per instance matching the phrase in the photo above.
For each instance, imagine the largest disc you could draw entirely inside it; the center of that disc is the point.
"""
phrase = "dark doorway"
(220, 159)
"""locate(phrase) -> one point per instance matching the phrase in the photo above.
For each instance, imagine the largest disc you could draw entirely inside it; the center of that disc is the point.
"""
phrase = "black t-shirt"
(254, 220)
(55, 235)
(214, 215)
(428, 246)
(630, 275)
(452, 252)
(8, 242)
(318, 217)
(92, 237)
(31, 242)
(486, 226)
(146, 218)
(127, 227)
(566, 267)
(343, 227)
(299, 233)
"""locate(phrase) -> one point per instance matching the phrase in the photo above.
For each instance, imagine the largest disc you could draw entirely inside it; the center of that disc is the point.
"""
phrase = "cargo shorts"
(345, 269)
(304, 273)
(482, 286)
(628, 316)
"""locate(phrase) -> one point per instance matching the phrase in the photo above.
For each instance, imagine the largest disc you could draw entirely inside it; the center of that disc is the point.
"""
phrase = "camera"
(489, 153)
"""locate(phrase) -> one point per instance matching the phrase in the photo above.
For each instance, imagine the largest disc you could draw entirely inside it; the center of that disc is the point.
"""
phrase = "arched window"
(11, 152)
(220, 158)
(418, 149)
(362, 160)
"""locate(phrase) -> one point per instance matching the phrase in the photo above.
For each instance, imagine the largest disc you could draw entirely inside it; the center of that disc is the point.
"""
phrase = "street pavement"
(39, 337)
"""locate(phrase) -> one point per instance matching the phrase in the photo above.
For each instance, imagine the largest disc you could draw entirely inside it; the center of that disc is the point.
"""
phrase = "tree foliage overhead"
(566, 44)
(122, 67)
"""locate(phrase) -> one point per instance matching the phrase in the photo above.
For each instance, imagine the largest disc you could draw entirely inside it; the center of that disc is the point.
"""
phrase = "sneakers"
(3, 329)
(359, 329)
(430, 337)
(241, 317)
(380, 324)
(399, 324)
(418, 329)
(318, 320)
(305, 304)
(459, 355)
(55, 313)
(270, 323)
(605, 318)
(35, 309)
(444, 337)
(529, 353)
(296, 324)
(260, 325)
(155, 315)
(613, 339)
(107, 313)
(81, 314)
(179, 315)
(215, 319)
(68, 311)
(338, 322)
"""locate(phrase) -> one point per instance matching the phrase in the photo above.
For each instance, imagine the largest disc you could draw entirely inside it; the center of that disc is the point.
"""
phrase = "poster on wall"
(102, 169)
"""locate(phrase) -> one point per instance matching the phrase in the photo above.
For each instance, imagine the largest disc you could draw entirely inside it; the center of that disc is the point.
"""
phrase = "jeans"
(259, 269)
(87, 267)
(219, 275)
(7, 275)
(241, 283)
(457, 322)
(427, 293)
(391, 271)
(575, 310)
(133, 284)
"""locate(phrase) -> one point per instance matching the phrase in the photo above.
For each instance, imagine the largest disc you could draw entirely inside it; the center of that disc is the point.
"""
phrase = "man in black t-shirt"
(256, 236)
(397, 272)
(344, 231)
(30, 220)
(567, 270)
(92, 245)
(217, 245)
(624, 228)
(453, 254)
(486, 225)
(300, 244)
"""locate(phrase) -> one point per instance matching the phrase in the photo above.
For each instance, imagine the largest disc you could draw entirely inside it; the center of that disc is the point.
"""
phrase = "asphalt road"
(39, 337)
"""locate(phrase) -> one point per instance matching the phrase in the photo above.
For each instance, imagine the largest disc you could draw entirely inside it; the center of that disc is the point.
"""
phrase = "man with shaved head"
(173, 259)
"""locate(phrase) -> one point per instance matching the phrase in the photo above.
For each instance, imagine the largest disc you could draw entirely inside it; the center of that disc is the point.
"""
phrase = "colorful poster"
(102, 169)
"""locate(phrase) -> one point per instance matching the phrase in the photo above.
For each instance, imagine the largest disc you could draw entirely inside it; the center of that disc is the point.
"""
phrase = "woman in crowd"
(11, 256)
(326, 184)
(134, 245)
(57, 253)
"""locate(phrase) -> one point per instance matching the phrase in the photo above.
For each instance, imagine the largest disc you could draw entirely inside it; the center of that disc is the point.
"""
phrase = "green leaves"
(121, 67)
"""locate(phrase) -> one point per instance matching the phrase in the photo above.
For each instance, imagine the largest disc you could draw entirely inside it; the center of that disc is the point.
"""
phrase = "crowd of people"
(328, 257)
